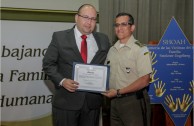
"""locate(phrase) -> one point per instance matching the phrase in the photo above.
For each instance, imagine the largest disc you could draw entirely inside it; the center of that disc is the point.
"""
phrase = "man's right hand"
(70, 85)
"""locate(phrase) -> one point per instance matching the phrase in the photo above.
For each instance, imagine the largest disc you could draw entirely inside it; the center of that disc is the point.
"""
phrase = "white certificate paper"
(92, 78)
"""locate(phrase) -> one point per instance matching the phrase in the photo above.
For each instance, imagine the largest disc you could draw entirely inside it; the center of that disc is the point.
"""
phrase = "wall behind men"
(48, 4)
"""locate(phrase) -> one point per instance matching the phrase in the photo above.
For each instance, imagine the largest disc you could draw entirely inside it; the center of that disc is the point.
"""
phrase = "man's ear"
(132, 27)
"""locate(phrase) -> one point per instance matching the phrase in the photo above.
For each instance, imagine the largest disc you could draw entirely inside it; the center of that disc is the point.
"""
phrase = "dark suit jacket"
(58, 64)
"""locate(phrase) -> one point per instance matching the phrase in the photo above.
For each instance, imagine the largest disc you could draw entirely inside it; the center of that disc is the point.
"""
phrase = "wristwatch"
(118, 94)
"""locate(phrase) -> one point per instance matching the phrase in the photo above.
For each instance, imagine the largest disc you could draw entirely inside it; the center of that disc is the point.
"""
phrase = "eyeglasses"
(86, 18)
(124, 24)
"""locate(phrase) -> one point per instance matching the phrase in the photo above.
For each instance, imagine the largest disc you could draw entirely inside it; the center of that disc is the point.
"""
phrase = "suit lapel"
(94, 60)
(72, 42)
(97, 41)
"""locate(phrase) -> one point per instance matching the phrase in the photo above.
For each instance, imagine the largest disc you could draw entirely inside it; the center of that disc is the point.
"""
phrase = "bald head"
(86, 19)
(85, 6)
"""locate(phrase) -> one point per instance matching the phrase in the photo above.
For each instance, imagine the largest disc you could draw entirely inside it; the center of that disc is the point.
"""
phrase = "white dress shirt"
(91, 44)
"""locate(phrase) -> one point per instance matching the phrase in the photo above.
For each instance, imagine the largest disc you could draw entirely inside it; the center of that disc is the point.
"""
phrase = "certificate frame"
(91, 77)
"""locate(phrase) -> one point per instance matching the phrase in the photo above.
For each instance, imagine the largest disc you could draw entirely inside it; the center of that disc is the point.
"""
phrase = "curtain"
(151, 17)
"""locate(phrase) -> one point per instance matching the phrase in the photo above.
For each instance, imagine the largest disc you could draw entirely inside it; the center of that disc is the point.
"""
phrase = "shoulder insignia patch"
(139, 44)
(146, 53)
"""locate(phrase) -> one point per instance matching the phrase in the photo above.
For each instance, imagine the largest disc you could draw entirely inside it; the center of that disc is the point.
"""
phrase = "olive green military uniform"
(128, 63)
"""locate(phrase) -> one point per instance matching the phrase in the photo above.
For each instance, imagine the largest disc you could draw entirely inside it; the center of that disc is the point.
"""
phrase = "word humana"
(25, 100)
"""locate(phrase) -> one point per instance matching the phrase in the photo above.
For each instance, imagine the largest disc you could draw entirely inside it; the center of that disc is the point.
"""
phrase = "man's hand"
(110, 93)
(159, 89)
(170, 103)
(70, 85)
(184, 105)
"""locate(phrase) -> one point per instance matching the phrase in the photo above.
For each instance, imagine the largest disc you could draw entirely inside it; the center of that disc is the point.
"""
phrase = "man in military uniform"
(130, 69)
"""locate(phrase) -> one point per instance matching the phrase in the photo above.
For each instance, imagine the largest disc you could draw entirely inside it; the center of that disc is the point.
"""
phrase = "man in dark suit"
(71, 107)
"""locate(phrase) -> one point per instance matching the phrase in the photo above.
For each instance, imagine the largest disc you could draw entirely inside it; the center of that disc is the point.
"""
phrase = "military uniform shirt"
(128, 62)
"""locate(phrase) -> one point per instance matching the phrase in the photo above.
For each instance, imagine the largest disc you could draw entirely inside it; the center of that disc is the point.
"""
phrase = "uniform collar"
(129, 43)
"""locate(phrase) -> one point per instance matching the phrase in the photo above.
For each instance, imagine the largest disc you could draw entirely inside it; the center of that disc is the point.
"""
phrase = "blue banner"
(172, 79)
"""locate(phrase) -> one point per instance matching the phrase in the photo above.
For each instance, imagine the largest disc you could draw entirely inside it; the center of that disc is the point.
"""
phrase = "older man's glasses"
(124, 24)
(86, 18)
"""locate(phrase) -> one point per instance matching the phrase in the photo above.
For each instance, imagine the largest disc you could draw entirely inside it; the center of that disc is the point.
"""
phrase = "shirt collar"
(128, 44)
(79, 34)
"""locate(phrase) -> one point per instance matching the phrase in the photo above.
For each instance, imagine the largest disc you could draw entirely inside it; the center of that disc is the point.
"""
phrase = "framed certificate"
(91, 78)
